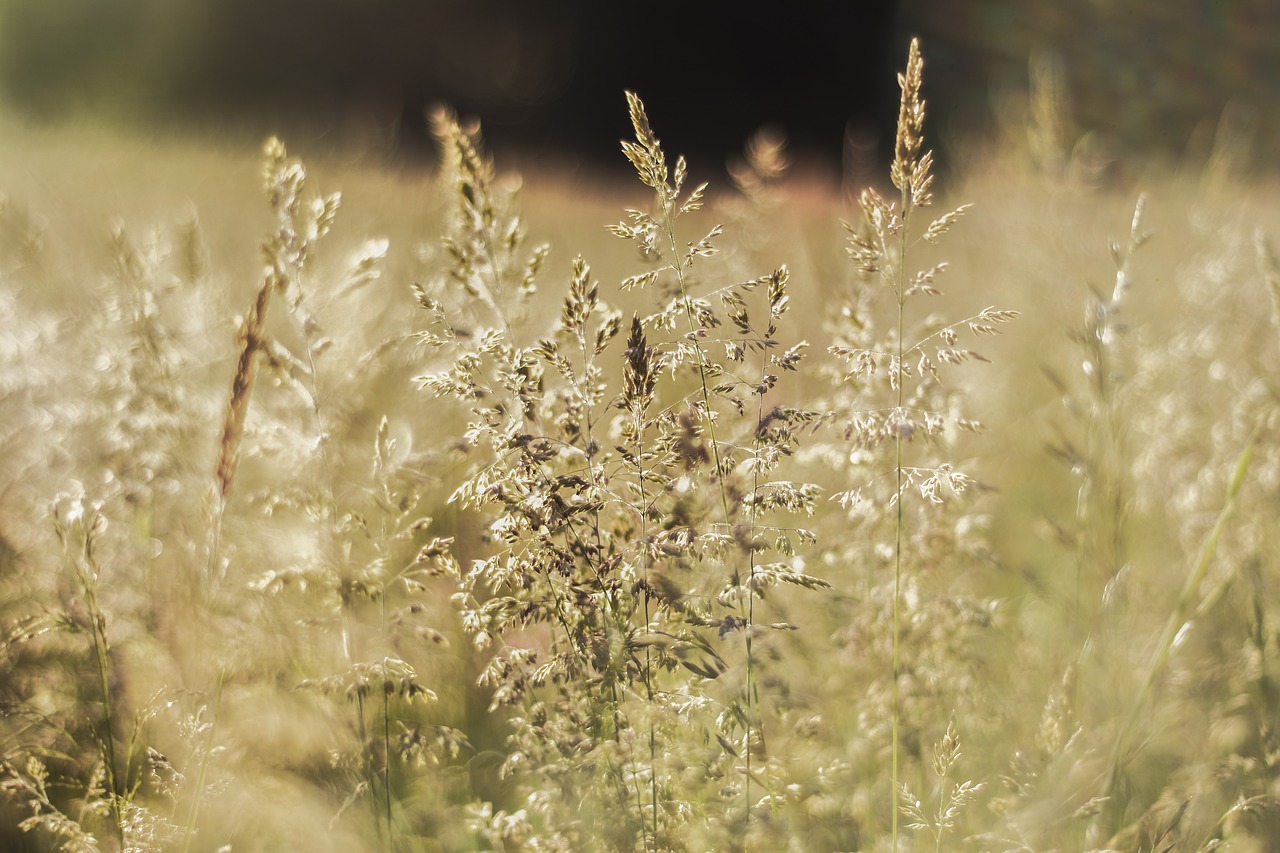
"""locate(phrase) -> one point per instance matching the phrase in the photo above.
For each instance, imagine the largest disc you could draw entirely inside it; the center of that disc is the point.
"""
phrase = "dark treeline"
(1147, 78)
(546, 77)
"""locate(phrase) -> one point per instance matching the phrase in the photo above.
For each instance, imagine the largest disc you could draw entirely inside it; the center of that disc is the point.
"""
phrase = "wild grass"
(423, 532)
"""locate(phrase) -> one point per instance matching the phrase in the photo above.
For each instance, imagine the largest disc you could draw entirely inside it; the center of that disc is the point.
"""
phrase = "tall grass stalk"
(910, 173)
(79, 525)
(915, 351)
(911, 176)
(1102, 510)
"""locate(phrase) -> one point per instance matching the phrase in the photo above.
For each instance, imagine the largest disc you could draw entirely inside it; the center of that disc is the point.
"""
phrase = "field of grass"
(469, 512)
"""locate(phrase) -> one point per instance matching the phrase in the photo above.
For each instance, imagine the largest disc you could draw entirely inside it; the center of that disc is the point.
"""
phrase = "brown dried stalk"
(250, 341)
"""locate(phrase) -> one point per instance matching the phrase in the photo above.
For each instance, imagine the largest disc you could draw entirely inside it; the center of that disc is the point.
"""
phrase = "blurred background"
(1145, 78)
(547, 78)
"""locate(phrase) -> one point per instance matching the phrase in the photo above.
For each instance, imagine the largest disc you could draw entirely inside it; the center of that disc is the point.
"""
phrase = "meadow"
(348, 508)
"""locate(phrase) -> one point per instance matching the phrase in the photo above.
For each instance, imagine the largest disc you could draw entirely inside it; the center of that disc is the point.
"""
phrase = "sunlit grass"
(239, 606)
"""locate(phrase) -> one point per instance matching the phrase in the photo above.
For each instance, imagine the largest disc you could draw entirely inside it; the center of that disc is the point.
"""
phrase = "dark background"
(547, 76)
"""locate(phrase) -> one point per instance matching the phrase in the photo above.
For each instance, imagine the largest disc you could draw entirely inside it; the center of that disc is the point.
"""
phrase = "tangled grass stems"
(301, 223)
(650, 162)
(608, 549)
(1097, 452)
(771, 434)
(288, 252)
(1177, 625)
(202, 775)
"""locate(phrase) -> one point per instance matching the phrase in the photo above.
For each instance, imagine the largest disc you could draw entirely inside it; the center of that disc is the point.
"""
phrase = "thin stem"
(648, 650)
(348, 651)
(217, 512)
(897, 596)
(386, 758)
(322, 436)
(192, 813)
(86, 569)
(900, 288)
(386, 735)
(752, 699)
(101, 648)
(941, 819)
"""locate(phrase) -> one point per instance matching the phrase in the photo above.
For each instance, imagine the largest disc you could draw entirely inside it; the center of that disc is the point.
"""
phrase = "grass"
(419, 531)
